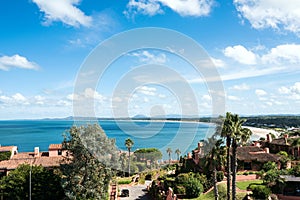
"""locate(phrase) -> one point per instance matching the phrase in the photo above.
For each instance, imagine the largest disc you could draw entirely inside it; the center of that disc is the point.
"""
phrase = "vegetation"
(169, 151)
(87, 173)
(5, 155)
(129, 143)
(151, 154)
(243, 185)
(45, 184)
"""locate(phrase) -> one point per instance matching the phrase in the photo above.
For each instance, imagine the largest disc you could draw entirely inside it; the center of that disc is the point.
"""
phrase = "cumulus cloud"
(271, 14)
(16, 61)
(147, 57)
(182, 7)
(150, 91)
(64, 11)
(240, 54)
(233, 98)
(218, 62)
(292, 91)
(243, 86)
(260, 92)
(283, 53)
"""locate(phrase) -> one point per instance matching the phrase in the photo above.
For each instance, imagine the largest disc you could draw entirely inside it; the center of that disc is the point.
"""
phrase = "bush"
(220, 176)
(179, 189)
(261, 192)
(193, 188)
(122, 182)
(5, 155)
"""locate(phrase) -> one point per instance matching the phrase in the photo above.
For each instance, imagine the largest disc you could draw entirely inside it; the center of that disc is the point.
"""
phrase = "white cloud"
(271, 14)
(293, 91)
(150, 91)
(240, 54)
(206, 97)
(64, 11)
(218, 62)
(283, 53)
(147, 57)
(19, 97)
(182, 7)
(16, 61)
(233, 98)
(146, 7)
(260, 92)
(243, 86)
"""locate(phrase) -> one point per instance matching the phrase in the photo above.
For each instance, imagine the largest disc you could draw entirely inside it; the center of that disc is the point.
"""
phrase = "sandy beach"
(260, 132)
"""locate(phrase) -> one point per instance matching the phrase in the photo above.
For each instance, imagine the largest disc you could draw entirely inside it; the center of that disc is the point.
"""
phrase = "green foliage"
(45, 184)
(261, 192)
(296, 170)
(5, 155)
(122, 182)
(193, 188)
(88, 171)
(271, 177)
(220, 176)
(270, 166)
(243, 185)
(151, 154)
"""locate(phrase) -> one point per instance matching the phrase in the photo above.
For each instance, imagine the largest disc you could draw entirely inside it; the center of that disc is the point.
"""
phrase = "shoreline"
(260, 132)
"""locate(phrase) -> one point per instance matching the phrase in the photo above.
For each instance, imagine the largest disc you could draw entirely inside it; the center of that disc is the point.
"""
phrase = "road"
(137, 192)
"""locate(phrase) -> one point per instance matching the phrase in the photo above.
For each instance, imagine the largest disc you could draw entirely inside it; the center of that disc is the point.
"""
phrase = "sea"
(28, 134)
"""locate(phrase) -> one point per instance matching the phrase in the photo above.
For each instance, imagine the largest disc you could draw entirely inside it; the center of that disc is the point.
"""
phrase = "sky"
(254, 45)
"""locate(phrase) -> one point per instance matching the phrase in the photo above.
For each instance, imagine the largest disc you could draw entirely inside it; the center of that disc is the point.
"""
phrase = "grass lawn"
(222, 194)
(124, 180)
(242, 185)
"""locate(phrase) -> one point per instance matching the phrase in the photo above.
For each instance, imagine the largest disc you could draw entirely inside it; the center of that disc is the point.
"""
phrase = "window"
(59, 152)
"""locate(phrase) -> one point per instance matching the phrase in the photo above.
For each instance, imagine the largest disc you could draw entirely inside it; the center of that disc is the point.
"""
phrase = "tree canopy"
(93, 158)
(45, 184)
(151, 154)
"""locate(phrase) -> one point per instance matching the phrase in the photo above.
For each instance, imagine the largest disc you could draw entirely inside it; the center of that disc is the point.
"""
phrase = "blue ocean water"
(27, 134)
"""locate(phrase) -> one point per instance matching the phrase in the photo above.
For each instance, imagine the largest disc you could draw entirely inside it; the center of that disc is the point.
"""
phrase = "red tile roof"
(55, 146)
(7, 148)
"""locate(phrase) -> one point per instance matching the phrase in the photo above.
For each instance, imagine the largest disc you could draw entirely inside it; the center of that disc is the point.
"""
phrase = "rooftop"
(253, 153)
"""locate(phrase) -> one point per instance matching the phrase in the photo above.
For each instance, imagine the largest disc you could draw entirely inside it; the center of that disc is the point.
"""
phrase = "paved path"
(137, 192)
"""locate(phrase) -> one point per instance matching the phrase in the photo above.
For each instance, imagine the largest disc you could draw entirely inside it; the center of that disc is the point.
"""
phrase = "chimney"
(267, 150)
(36, 151)
(257, 144)
(269, 138)
(189, 156)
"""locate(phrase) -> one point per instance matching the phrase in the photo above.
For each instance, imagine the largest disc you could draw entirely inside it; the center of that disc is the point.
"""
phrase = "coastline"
(260, 132)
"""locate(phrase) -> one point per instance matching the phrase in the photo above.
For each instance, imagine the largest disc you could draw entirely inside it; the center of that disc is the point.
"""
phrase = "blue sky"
(254, 45)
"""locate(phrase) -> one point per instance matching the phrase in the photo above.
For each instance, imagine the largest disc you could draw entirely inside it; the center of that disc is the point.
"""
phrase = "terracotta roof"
(55, 146)
(7, 148)
(253, 153)
(28, 158)
(284, 141)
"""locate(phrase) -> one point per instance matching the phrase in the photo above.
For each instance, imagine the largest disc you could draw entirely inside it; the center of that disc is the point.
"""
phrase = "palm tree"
(178, 152)
(169, 151)
(129, 143)
(217, 159)
(227, 133)
(296, 143)
(240, 136)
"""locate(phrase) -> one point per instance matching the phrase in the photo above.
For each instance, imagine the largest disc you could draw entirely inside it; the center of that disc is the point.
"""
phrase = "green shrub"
(179, 189)
(261, 192)
(122, 182)
(5, 155)
(220, 176)
(193, 188)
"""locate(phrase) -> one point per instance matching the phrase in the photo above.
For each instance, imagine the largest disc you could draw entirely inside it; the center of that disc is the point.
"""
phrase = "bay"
(27, 134)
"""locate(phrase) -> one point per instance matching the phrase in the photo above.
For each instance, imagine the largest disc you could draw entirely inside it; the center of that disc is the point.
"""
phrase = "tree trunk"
(215, 182)
(228, 142)
(234, 162)
(129, 163)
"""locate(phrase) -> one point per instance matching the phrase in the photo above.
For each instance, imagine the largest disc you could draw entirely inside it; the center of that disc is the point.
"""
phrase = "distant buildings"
(52, 158)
